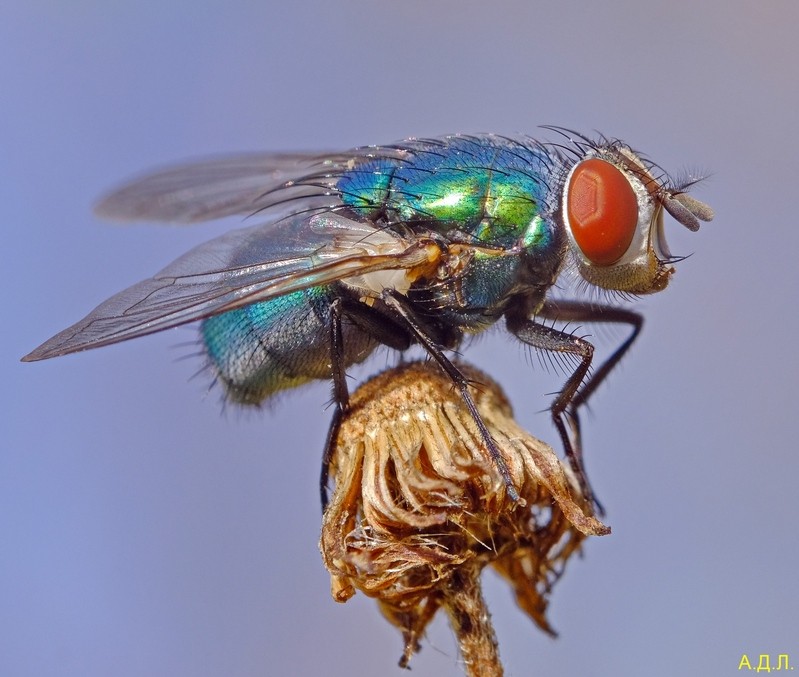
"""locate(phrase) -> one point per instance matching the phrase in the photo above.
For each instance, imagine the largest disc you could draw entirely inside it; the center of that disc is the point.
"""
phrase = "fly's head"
(612, 207)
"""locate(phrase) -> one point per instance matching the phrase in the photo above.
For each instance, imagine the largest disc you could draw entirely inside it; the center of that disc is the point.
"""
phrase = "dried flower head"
(419, 508)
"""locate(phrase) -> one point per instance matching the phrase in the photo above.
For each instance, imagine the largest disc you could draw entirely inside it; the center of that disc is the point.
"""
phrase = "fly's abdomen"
(489, 187)
(273, 345)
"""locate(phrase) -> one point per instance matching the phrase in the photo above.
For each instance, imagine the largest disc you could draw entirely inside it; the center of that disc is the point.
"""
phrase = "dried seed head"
(419, 508)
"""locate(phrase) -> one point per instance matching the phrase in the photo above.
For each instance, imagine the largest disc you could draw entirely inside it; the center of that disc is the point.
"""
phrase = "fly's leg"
(577, 388)
(579, 311)
(341, 395)
(381, 329)
(548, 338)
(398, 305)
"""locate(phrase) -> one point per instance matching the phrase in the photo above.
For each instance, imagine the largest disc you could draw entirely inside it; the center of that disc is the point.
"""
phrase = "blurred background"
(146, 532)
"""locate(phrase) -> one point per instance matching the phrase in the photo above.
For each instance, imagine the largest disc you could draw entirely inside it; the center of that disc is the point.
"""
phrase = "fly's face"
(612, 208)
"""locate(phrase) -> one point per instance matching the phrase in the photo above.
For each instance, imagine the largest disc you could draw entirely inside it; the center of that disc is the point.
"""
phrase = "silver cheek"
(648, 233)
(659, 245)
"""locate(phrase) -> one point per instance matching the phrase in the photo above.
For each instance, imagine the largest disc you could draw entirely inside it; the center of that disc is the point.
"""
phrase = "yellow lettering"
(780, 661)
(763, 663)
(744, 663)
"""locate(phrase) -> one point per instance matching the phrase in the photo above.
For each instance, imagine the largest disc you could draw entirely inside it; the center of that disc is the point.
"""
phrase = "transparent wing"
(242, 267)
(226, 186)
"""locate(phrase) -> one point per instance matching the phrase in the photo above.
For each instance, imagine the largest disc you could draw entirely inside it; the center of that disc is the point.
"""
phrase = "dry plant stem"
(471, 622)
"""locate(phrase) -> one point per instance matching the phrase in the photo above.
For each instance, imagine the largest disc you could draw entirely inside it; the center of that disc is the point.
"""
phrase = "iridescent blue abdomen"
(273, 345)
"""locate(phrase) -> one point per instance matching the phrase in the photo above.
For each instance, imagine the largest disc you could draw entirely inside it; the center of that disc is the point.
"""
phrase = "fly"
(420, 242)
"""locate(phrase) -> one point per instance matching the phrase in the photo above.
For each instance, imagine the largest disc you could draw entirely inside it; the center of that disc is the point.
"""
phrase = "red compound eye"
(602, 210)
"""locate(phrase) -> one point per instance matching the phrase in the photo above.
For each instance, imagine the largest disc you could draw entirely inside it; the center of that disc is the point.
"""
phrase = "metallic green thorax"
(489, 187)
(489, 191)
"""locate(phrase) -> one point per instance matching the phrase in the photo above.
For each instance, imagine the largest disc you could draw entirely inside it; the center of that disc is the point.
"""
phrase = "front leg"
(554, 340)
(581, 311)
(576, 395)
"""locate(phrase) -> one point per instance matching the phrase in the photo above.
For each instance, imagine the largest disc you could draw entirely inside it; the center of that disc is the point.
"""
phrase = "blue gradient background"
(145, 533)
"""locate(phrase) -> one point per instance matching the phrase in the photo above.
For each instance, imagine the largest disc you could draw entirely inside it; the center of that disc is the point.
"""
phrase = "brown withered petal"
(419, 508)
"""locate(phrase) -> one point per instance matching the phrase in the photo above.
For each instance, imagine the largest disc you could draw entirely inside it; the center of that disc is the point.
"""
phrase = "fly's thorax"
(487, 287)
(543, 249)
(474, 284)
(365, 188)
(612, 211)
(488, 187)
(474, 292)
